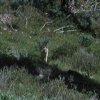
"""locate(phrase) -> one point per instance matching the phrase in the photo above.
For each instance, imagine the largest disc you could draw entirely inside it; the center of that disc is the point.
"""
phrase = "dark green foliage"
(57, 90)
(42, 42)
(66, 50)
(13, 1)
(22, 86)
(95, 48)
(15, 53)
(54, 10)
(85, 40)
(86, 62)
(82, 21)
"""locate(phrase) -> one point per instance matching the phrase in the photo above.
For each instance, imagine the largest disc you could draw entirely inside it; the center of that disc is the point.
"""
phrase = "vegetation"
(17, 84)
(71, 32)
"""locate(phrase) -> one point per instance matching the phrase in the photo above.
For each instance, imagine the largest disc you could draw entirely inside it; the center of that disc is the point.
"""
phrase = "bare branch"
(72, 30)
(61, 28)
(86, 11)
(45, 25)
(96, 6)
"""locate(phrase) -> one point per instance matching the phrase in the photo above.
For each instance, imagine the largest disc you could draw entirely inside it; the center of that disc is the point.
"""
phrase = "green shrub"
(83, 21)
(57, 90)
(95, 48)
(22, 86)
(66, 50)
(84, 61)
(73, 96)
(85, 40)
(14, 52)
(42, 42)
(55, 10)
(9, 96)
(18, 81)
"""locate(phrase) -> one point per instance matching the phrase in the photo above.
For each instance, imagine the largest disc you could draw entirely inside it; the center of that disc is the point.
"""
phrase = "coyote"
(44, 54)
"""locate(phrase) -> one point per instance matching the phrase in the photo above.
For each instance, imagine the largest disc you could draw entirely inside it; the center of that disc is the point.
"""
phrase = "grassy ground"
(26, 39)
(25, 42)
